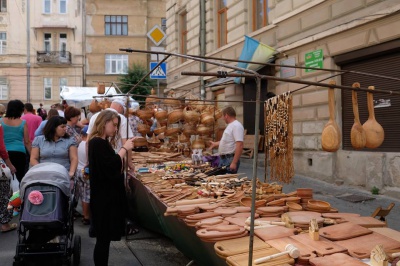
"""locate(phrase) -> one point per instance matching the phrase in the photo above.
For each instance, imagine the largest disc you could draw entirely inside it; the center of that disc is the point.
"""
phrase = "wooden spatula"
(357, 134)
(331, 133)
(373, 130)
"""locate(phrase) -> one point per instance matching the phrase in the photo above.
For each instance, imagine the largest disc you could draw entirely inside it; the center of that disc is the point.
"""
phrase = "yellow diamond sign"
(157, 35)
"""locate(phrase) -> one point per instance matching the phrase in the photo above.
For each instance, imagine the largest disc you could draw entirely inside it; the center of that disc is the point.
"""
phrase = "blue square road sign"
(160, 72)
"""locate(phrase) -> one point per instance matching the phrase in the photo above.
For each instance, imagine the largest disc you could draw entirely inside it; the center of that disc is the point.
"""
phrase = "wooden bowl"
(246, 201)
(278, 202)
(293, 199)
(294, 206)
(318, 205)
(304, 192)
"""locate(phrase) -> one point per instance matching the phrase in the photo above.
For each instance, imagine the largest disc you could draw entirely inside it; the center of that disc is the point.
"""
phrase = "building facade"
(55, 49)
(360, 35)
(111, 25)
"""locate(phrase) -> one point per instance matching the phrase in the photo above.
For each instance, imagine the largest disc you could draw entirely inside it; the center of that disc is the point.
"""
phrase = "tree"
(134, 75)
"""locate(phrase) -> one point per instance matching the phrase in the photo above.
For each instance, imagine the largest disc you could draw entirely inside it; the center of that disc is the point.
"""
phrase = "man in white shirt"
(230, 147)
(125, 131)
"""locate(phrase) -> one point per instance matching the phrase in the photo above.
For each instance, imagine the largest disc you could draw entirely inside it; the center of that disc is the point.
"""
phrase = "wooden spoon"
(357, 134)
(331, 133)
(373, 130)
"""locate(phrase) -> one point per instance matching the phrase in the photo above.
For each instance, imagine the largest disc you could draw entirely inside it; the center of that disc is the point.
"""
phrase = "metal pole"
(28, 53)
(254, 180)
(158, 83)
(202, 46)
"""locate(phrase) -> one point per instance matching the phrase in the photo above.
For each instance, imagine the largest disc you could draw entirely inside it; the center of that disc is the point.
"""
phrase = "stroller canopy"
(47, 173)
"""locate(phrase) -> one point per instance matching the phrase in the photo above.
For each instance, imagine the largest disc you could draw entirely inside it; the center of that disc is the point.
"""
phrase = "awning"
(221, 81)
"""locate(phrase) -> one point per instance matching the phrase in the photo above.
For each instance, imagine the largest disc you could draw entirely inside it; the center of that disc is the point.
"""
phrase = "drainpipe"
(202, 46)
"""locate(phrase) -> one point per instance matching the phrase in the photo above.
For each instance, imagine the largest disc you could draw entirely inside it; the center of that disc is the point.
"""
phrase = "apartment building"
(359, 35)
(55, 49)
(111, 25)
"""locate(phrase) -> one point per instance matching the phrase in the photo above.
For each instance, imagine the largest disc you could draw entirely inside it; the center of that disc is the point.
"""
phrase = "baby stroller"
(46, 228)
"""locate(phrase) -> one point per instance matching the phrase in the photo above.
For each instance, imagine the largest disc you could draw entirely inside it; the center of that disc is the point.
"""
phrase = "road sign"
(314, 59)
(157, 35)
(160, 72)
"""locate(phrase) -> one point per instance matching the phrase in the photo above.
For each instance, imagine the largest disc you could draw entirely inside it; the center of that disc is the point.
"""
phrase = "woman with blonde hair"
(108, 205)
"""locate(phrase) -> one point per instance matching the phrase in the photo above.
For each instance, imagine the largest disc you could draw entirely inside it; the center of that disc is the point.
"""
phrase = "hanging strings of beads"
(279, 137)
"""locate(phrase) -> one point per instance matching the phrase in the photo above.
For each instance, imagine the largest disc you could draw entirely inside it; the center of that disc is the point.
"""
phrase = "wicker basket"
(175, 116)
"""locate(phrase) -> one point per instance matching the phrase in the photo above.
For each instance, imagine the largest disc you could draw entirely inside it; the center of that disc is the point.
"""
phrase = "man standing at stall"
(230, 146)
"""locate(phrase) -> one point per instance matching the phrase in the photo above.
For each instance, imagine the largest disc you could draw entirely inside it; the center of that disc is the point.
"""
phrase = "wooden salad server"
(331, 134)
(357, 134)
(373, 130)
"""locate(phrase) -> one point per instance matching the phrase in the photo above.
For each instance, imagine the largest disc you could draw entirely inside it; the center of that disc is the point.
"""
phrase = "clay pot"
(174, 103)
(160, 130)
(101, 88)
(190, 115)
(161, 114)
(94, 106)
(203, 130)
(172, 131)
(207, 118)
(198, 144)
(175, 116)
(143, 129)
(140, 142)
(189, 129)
(217, 114)
(198, 105)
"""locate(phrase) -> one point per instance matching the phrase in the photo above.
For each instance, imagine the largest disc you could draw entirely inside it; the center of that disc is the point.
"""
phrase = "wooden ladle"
(373, 130)
(331, 133)
(290, 249)
(357, 134)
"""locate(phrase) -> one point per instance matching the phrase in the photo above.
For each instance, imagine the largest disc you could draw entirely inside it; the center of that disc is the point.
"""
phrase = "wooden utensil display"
(343, 231)
(373, 130)
(357, 134)
(331, 133)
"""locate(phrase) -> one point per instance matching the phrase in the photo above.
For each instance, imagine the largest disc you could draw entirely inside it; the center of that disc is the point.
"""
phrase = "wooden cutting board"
(280, 243)
(322, 247)
(236, 246)
(340, 215)
(393, 234)
(360, 247)
(240, 221)
(275, 232)
(343, 231)
(337, 259)
(366, 221)
(220, 231)
(243, 259)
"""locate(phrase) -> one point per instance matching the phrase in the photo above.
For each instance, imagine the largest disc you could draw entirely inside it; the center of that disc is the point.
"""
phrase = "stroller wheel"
(76, 251)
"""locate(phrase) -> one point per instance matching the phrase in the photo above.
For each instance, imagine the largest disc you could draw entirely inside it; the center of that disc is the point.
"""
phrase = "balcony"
(54, 58)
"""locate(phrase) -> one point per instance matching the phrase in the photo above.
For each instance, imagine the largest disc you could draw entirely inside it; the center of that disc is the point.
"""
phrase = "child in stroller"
(46, 221)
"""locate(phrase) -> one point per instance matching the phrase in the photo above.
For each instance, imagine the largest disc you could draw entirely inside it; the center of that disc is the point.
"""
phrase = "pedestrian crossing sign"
(160, 72)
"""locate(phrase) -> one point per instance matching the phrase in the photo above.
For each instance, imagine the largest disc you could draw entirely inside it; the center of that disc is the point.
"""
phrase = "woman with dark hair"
(51, 113)
(108, 204)
(16, 136)
(55, 146)
(73, 114)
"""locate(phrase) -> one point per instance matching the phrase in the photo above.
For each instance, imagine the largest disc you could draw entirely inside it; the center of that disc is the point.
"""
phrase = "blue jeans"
(226, 161)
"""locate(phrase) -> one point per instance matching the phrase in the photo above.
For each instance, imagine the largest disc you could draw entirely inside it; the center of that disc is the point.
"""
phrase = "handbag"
(5, 171)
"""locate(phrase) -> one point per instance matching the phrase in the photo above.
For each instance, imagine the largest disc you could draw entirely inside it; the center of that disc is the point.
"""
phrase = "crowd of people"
(93, 152)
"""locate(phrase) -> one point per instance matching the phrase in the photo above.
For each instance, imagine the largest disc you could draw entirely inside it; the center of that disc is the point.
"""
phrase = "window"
(63, 7)
(3, 88)
(116, 64)
(260, 12)
(47, 42)
(3, 5)
(183, 34)
(47, 88)
(63, 82)
(116, 25)
(222, 23)
(164, 24)
(3, 43)
(63, 45)
(46, 6)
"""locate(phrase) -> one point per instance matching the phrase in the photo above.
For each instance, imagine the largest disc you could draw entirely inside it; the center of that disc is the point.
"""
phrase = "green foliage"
(135, 73)
(375, 190)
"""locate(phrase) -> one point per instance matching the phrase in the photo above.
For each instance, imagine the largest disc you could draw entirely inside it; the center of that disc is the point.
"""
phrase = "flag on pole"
(254, 51)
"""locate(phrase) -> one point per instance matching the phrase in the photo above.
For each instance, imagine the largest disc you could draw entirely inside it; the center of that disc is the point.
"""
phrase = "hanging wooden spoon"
(373, 130)
(357, 134)
(331, 133)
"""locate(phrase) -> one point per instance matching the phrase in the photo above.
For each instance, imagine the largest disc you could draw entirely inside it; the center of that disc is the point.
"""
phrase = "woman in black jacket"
(108, 203)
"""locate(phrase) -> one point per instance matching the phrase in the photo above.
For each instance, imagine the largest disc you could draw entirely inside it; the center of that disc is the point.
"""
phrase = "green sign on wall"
(314, 59)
